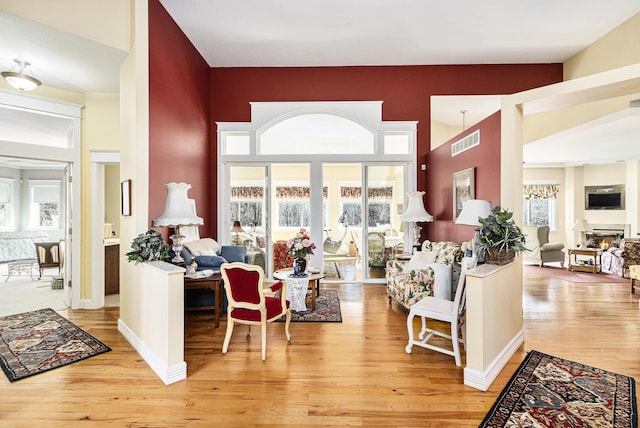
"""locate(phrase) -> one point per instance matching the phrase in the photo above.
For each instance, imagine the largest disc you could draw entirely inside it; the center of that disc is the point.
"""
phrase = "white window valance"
(540, 191)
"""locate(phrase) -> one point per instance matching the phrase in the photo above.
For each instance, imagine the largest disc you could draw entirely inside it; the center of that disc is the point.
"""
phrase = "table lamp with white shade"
(582, 226)
(415, 214)
(177, 212)
(472, 211)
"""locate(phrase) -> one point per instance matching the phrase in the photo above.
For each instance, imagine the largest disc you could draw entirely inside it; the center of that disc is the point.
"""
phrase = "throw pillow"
(209, 261)
(197, 248)
(421, 259)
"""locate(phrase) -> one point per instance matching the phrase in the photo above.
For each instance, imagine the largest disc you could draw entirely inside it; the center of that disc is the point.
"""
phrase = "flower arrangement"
(301, 246)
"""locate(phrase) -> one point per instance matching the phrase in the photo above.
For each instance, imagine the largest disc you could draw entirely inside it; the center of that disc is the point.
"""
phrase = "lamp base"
(176, 246)
(416, 235)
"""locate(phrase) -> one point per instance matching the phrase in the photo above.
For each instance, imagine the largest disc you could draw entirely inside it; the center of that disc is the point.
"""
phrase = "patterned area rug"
(37, 341)
(547, 391)
(327, 309)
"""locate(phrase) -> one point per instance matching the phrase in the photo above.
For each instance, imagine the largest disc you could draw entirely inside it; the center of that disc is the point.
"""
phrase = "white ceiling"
(338, 33)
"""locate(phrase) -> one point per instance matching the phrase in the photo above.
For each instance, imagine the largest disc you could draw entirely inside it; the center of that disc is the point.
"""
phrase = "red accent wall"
(405, 92)
(179, 114)
(485, 158)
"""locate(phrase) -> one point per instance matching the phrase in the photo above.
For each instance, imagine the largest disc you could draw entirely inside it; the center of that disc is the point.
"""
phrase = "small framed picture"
(463, 189)
(125, 197)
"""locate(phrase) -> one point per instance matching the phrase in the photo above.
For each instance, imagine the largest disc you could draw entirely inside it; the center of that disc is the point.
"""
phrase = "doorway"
(38, 130)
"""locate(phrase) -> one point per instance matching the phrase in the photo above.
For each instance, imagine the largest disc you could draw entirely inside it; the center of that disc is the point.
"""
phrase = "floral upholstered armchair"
(408, 282)
(618, 260)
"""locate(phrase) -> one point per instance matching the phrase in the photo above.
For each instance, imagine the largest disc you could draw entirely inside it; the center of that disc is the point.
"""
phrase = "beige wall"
(105, 22)
(101, 131)
(134, 160)
(615, 49)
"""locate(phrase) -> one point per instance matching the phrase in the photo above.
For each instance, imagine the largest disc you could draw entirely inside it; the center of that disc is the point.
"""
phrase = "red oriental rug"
(37, 341)
(548, 391)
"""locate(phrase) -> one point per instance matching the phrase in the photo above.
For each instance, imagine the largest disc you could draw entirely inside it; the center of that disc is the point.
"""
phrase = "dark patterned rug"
(327, 309)
(37, 341)
(548, 391)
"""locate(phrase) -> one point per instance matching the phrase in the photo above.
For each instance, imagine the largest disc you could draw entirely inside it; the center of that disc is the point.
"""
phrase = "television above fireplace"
(604, 197)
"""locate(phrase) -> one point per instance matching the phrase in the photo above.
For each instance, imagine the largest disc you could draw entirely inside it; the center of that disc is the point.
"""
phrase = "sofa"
(428, 273)
(209, 255)
(618, 260)
(541, 251)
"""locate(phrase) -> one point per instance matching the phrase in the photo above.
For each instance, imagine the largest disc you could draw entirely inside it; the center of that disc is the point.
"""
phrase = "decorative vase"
(299, 266)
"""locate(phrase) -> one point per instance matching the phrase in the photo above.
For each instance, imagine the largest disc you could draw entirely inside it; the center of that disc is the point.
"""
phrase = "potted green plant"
(500, 237)
(148, 247)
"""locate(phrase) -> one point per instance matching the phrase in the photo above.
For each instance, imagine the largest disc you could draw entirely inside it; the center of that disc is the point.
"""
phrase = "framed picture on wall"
(463, 189)
(125, 197)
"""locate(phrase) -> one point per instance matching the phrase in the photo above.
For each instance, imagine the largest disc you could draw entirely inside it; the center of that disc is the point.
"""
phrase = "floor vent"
(465, 143)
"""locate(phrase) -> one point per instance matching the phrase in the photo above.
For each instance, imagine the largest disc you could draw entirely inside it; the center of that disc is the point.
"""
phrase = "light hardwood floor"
(353, 373)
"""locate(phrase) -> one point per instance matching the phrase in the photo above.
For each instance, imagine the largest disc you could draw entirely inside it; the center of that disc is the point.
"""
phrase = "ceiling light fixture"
(19, 79)
(464, 112)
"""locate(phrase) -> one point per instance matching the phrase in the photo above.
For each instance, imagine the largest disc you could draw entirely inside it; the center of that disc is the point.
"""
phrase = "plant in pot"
(500, 239)
(148, 247)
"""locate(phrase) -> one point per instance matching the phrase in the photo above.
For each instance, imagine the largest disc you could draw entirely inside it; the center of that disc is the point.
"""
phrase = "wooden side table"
(594, 258)
(212, 283)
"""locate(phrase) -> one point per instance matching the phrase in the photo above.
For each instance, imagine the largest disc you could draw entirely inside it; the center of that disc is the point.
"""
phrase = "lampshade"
(177, 211)
(237, 227)
(19, 79)
(415, 211)
(472, 211)
(581, 225)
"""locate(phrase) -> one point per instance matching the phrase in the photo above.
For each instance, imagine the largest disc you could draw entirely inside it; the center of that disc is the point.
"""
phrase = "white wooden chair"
(442, 310)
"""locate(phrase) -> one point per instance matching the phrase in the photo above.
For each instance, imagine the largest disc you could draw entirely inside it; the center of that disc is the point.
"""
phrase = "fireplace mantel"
(607, 235)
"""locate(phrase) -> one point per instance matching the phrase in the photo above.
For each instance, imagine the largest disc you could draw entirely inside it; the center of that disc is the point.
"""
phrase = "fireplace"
(607, 235)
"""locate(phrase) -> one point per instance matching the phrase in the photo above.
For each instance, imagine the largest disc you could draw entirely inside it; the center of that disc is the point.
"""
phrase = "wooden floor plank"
(354, 373)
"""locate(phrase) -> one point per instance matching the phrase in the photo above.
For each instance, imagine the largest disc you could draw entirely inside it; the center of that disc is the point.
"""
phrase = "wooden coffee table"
(594, 258)
(314, 283)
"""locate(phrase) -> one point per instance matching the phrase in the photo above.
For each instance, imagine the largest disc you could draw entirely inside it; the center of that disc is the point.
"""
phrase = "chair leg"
(407, 349)
(227, 336)
(287, 318)
(456, 343)
(263, 331)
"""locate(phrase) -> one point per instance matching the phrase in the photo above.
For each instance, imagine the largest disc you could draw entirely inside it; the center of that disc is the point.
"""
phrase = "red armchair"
(248, 304)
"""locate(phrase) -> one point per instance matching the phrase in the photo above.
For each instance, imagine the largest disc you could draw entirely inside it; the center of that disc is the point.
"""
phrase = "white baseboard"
(483, 380)
(168, 374)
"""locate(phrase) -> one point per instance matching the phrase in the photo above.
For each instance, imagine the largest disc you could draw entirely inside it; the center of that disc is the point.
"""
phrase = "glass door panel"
(247, 205)
(291, 210)
(342, 221)
(382, 231)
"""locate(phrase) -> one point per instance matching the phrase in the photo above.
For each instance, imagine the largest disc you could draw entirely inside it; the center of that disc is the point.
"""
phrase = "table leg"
(218, 302)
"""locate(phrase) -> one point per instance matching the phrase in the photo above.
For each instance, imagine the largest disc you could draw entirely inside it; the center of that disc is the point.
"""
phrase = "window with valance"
(379, 204)
(539, 204)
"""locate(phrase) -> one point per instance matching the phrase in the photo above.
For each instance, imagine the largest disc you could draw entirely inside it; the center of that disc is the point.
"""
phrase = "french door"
(342, 205)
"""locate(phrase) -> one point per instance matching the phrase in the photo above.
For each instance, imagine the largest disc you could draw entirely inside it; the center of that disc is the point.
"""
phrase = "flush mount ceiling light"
(19, 79)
